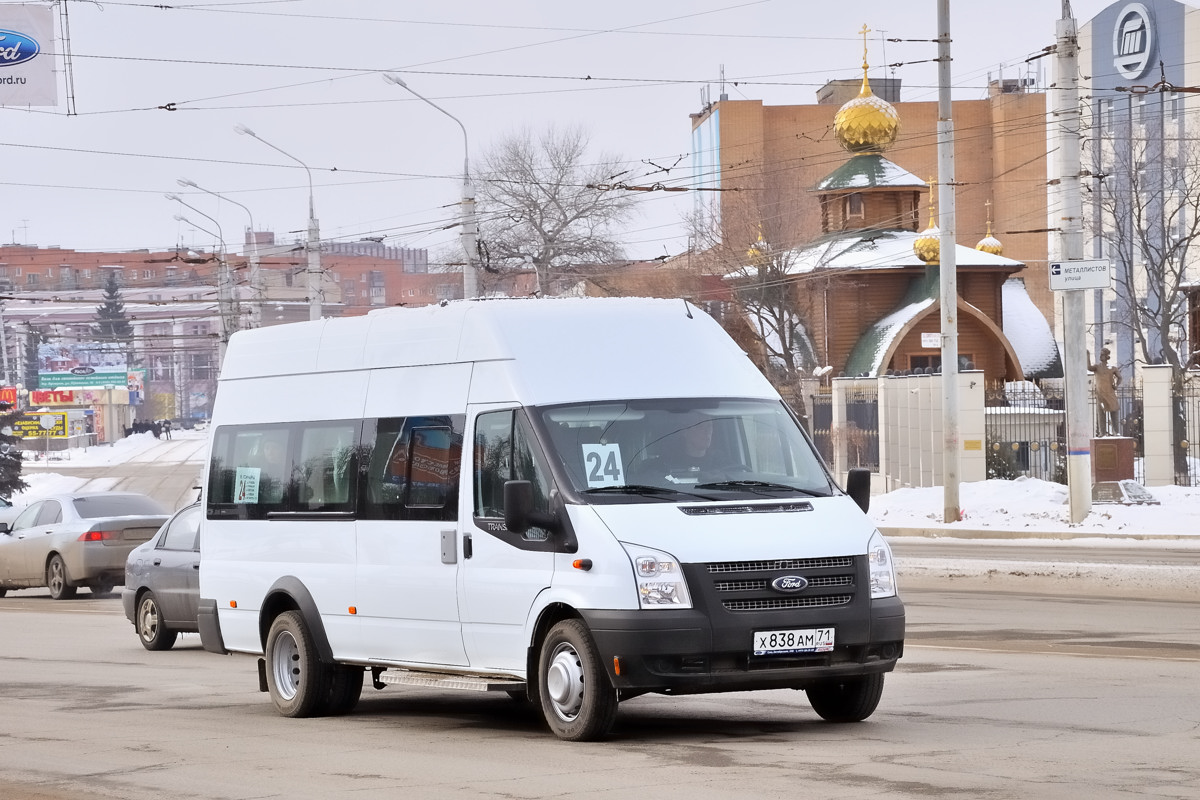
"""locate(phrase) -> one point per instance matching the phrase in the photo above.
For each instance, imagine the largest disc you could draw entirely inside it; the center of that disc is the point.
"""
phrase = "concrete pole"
(948, 274)
(313, 246)
(1067, 121)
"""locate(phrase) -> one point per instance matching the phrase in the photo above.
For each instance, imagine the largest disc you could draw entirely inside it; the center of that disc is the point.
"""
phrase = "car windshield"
(694, 449)
(116, 505)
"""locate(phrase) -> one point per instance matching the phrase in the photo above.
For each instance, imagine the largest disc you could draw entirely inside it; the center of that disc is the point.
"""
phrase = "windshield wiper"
(643, 489)
(764, 486)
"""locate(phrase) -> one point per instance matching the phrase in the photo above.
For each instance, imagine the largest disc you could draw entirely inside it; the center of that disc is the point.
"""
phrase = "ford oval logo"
(789, 583)
(82, 371)
(17, 48)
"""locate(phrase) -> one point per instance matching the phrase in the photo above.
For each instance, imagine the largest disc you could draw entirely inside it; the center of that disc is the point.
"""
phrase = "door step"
(443, 680)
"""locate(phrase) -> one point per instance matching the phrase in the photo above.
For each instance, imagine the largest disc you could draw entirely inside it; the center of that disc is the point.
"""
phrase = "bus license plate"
(801, 640)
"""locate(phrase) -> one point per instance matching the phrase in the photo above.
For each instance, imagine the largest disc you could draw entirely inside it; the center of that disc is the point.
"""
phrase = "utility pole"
(1067, 121)
(948, 273)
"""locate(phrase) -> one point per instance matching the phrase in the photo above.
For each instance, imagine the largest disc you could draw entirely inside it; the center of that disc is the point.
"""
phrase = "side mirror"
(858, 486)
(519, 514)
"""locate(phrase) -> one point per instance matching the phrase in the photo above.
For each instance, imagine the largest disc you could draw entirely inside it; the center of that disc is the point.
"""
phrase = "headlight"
(882, 570)
(660, 581)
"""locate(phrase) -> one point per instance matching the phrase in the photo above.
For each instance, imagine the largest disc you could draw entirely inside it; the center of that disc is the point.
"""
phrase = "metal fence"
(1026, 431)
(1186, 459)
(820, 409)
(859, 434)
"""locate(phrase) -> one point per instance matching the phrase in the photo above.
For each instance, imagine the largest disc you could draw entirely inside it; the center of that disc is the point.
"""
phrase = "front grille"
(749, 586)
(739, 586)
(842, 562)
(783, 603)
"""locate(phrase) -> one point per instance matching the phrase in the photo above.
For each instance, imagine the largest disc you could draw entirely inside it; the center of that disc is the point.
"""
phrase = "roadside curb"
(987, 533)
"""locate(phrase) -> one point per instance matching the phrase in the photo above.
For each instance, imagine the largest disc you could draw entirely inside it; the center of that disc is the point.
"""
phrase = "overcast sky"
(305, 75)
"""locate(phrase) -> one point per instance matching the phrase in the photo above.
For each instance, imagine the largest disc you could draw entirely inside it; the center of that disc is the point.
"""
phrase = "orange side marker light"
(233, 603)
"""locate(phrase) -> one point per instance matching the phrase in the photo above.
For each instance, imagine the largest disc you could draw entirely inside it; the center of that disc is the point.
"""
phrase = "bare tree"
(536, 207)
(1150, 222)
(771, 302)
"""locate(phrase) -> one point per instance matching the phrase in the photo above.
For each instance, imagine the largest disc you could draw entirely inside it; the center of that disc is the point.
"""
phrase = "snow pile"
(1029, 505)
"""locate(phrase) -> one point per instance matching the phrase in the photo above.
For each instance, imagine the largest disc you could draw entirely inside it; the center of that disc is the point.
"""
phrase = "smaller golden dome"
(866, 124)
(928, 245)
(989, 243)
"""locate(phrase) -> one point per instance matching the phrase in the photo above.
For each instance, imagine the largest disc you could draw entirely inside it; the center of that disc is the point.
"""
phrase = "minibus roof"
(557, 348)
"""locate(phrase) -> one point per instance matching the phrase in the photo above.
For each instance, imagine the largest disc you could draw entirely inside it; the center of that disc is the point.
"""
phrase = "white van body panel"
(324, 563)
(306, 397)
(834, 526)
(415, 390)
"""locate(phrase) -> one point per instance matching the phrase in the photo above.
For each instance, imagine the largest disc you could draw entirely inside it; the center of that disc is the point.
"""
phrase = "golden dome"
(989, 243)
(866, 124)
(928, 245)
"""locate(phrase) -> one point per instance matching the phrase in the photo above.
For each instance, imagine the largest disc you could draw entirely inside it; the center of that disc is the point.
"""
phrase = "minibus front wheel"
(577, 698)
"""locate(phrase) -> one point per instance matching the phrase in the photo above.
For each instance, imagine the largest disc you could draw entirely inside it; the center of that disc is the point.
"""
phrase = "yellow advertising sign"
(50, 423)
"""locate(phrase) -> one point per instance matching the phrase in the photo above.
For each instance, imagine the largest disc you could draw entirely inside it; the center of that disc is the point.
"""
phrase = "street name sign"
(1088, 274)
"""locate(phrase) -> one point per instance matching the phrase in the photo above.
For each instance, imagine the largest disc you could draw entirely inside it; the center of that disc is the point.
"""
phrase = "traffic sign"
(1083, 274)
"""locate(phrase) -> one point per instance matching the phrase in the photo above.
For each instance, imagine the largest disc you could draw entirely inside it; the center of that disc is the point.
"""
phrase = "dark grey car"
(162, 581)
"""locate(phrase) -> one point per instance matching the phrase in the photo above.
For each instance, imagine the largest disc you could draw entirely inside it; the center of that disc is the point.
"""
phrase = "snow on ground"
(1037, 507)
(184, 446)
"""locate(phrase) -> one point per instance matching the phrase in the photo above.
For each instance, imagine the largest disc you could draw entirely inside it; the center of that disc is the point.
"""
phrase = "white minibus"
(575, 501)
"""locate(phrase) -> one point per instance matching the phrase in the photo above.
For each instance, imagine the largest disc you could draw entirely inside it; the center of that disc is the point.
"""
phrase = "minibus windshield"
(673, 450)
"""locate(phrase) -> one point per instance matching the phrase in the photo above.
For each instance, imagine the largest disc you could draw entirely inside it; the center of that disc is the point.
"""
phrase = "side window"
(413, 469)
(50, 514)
(28, 517)
(184, 531)
(324, 473)
(257, 469)
(506, 450)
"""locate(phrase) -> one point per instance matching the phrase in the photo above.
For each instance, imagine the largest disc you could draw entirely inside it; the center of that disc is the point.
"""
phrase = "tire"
(56, 579)
(297, 680)
(3, 592)
(577, 699)
(346, 685)
(850, 700)
(148, 621)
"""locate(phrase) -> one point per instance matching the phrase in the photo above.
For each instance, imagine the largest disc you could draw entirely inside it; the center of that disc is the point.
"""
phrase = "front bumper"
(683, 652)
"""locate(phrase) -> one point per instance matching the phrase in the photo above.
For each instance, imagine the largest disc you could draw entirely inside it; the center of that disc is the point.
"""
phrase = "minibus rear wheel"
(577, 699)
(299, 683)
(848, 699)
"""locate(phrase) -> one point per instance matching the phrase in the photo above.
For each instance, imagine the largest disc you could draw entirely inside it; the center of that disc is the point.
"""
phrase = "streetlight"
(470, 225)
(313, 242)
(256, 292)
(224, 284)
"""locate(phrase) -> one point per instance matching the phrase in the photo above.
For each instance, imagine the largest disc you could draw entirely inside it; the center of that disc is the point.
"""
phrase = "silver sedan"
(162, 582)
(66, 541)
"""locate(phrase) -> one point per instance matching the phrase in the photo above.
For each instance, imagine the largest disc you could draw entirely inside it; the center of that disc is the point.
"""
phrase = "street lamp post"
(313, 241)
(256, 291)
(224, 284)
(470, 224)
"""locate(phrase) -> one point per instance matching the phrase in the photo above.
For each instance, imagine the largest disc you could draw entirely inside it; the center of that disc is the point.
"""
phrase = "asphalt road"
(999, 695)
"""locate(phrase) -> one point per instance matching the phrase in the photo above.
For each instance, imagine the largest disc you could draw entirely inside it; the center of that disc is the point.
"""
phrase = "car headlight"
(659, 578)
(882, 570)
